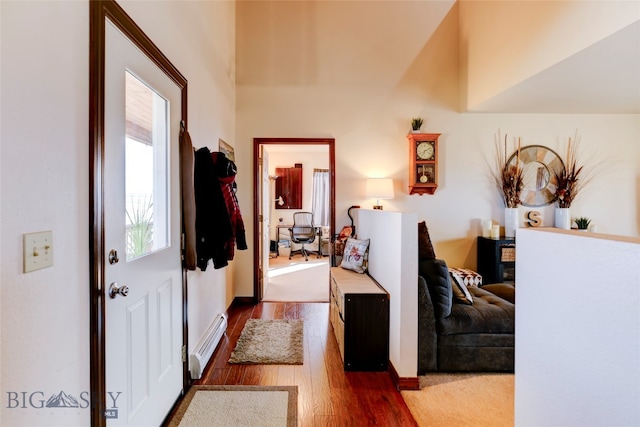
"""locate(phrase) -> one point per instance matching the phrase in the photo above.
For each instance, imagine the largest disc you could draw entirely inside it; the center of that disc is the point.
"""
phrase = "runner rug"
(270, 342)
(256, 406)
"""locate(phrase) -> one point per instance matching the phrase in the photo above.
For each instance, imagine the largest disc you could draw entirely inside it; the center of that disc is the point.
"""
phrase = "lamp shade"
(379, 188)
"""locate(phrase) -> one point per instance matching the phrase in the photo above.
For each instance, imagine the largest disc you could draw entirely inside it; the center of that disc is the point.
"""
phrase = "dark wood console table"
(359, 314)
(496, 259)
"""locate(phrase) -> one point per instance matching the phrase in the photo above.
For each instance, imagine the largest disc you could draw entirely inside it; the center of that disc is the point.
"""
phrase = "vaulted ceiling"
(364, 47)
(601, 79)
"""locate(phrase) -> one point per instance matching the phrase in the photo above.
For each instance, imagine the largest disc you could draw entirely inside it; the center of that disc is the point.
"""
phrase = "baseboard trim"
(405, 383)
(243, 301)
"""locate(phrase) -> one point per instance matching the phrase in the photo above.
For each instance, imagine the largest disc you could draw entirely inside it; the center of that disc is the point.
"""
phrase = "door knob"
(115, 289)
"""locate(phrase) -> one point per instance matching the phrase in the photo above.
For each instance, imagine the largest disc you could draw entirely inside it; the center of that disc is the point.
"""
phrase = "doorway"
(137, 331)
(262, 201)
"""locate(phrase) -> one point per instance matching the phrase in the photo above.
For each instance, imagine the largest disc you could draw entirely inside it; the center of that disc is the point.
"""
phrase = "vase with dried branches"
(508, 177)
(571, 181)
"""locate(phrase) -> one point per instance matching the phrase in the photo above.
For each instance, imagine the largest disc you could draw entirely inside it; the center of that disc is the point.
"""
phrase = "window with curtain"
(320, 202)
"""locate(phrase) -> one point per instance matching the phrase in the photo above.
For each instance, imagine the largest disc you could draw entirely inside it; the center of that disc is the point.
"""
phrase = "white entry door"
(142, 237)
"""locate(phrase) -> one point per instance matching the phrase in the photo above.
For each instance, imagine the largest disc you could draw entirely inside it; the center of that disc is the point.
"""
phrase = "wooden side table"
(496, 259)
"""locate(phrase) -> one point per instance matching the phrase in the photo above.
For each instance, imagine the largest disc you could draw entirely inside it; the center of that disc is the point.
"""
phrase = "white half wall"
(577, 329)
(393, 262)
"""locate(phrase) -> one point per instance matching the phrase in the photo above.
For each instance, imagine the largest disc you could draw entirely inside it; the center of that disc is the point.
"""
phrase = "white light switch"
(38, 250)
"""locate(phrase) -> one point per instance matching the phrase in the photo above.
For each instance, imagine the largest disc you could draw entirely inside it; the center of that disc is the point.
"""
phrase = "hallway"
(327, 395)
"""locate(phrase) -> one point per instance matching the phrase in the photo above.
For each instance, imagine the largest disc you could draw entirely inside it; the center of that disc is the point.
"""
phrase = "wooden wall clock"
(423, 163)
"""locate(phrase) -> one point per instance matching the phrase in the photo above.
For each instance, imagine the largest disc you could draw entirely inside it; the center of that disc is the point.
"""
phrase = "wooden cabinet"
(496, 259)
(359, 315)
(423, 163)
(289, 187)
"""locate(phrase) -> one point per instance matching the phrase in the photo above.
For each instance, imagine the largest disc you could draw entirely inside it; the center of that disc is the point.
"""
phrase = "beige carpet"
(297, 280)
(270, 342)
(234, 406)
(474, 400)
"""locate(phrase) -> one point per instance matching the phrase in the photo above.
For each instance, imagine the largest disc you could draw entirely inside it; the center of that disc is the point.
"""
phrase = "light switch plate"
(38, 250)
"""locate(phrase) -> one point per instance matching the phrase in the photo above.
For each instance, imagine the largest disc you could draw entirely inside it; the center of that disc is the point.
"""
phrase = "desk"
(279, 226)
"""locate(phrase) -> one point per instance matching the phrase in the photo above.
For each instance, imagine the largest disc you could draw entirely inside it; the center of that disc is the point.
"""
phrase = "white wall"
(44, 182)
(577, 329)
(44, 186)
(393, 262)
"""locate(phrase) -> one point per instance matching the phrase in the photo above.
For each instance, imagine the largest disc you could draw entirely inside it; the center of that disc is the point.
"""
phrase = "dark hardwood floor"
(327, 396)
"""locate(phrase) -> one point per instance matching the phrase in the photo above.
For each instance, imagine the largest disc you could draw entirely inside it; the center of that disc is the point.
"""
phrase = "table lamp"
(379, 188)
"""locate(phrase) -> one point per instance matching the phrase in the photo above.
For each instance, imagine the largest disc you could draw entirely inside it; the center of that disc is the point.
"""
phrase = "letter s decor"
(534, 219)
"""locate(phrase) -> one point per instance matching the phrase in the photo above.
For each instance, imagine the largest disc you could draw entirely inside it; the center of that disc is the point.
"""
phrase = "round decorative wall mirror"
(539, 167)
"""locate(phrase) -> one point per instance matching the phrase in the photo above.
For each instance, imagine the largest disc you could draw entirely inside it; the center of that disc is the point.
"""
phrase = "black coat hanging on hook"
(219, 224)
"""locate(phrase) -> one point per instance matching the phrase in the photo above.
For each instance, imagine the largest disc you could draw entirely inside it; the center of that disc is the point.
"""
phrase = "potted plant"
(416, 124)
(582, 223)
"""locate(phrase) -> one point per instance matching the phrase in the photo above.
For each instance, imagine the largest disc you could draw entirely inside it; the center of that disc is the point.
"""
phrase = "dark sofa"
(455, 336)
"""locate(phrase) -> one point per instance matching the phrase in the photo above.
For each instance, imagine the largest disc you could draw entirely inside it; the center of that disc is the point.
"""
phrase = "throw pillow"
(425, 248)
(355, 255)
(436, 274)
(466, 276)
(460, 291)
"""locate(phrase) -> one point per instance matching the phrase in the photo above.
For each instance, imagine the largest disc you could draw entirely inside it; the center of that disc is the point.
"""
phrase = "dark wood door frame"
(257, 142)
(99, 11)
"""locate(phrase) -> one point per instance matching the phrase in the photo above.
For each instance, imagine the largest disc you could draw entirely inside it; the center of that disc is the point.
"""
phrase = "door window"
(146, 163)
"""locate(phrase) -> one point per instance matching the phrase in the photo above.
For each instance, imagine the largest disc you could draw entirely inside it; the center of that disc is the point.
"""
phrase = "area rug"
(270, 342)
(213, 406)
(478, 400)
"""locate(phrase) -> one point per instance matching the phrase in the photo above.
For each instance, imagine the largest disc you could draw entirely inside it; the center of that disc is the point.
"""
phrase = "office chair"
(302, 232)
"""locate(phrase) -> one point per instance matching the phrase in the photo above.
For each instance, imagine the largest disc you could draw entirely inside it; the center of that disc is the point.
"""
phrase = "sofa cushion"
(489, 314)
(436, 274)
(506, 291)
(425, 248)
(477, 340)
(496, 356)
(460, 292)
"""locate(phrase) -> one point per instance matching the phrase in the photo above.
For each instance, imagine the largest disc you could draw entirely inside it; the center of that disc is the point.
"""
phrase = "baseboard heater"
(207, 345)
